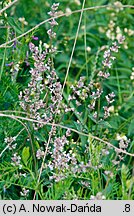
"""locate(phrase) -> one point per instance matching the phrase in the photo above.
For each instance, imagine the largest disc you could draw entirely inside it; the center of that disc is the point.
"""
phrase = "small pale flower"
(39, 154)
(23, 21)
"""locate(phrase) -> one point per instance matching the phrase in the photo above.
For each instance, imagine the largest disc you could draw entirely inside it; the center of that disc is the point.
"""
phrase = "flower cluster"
(113, 30)
(63, 159)
(95, 95)
(44, 82)
(118, 6)
(123, 141)
(23, 21)
(53, 22)
(92, 91)
(109, 174)
(130, 32)
(104, 75)
(85, 184)
(123, 144)
(132, 74)
(107, 63)
(108, 53)
(40, 153)
(14, 71)
(60, 158)
(24, 192)
(16, 160)
(10, 142)
(31, 97)
(109, 99)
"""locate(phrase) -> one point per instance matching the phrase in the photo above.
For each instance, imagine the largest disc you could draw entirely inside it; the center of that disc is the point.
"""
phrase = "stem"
(42, 165)
(62, 15)
(71, 57)
(119, 88)
(4, 55)
(85, 41)
(67, 128)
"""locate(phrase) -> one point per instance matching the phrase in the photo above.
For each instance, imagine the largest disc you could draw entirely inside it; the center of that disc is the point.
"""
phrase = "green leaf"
(25, 155)
(131, 128)
(105, 124)
(14, 25)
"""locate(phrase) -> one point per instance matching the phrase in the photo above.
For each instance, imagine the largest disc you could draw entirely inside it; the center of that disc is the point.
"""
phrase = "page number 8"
(127, 208)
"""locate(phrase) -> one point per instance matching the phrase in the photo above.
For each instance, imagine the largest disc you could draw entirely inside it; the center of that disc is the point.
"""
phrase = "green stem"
(119, 89)
(4, 55)
(85, 43)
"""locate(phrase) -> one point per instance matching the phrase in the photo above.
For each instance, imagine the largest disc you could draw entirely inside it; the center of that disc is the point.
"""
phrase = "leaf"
(83, 138)
(14, 25)
(40, 137)
(91, 117)
(115, 122)
(105, 124)
(131, 128)
(124, 178)
(130, 183)
(25, 155)
(37, 144)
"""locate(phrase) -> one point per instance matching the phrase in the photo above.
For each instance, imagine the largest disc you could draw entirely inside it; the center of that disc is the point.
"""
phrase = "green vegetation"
(67, 100)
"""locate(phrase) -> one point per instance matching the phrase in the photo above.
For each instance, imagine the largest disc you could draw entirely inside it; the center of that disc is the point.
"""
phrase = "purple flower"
(115, 47)
(121, 39)
(9, 64)
(14, 44)
(35, 38)
(31, 46)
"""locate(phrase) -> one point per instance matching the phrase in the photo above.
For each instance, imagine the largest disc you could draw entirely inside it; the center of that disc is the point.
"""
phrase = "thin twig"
(58, 16)
(50, 135)
(11, 142)
(45, 154)
(8, 6)
(19, 120)
(65, 127)
(13, 111)
(75, 40)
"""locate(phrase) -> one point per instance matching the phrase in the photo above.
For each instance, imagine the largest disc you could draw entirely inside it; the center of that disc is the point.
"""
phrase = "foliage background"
(121, 121)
